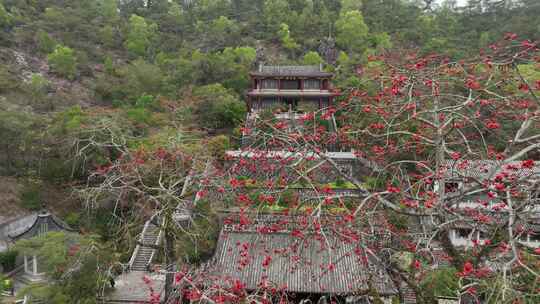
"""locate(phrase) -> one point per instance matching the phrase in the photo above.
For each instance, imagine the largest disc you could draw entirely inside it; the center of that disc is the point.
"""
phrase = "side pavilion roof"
(30, 226)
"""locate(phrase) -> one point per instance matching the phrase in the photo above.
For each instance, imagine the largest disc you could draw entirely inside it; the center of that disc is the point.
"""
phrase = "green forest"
(68, 66)
(86, 81)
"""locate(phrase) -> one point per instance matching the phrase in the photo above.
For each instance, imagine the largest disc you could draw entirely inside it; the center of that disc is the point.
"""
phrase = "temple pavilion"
(290, 86)
(38, 224)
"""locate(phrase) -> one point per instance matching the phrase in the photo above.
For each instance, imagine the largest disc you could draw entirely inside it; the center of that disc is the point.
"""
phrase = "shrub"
(145, 101)
(5, 18)
(108, 65)
(44, 41)
(73, 219)
(198, 246)
(218, 145)
(8, 80)
(312, 58)
(70, 119)
(340, 182)
(140, 115)
(38, 87)
(374, 183)
(219, 107)
(8, 260)
(140, 78)
(31, 196)
(442, 282)
(63, 61)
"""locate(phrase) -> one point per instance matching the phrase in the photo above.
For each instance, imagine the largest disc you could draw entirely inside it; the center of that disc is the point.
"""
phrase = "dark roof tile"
(299, 71)
(297, 264)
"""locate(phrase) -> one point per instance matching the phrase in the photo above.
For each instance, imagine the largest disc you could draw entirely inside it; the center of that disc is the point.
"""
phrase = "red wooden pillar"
(259, 102)
(301, 84)
(279, 84)
(249, 103)
(320, 102)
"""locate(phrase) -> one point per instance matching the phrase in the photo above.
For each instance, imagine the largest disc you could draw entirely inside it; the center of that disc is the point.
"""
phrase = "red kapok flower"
(194, 295)
(266, 261)
(527, 164)
(468, 268)
(493, 124)
(510, 36)
(527, 44)
(178, 277)
(455, 155)
(473, 84)
(393, 189)
(524, 87)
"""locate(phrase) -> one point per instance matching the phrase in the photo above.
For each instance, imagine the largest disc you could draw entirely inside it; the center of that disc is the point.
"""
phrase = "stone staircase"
(144, 254)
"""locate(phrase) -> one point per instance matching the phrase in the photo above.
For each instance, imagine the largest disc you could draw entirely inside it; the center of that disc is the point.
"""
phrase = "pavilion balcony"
(291, 92)
(289, 104)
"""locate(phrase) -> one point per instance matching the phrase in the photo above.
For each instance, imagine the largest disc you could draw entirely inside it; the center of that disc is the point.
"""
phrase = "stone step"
(142, 257)
(145, 256)
(29, 279)
(143, 251)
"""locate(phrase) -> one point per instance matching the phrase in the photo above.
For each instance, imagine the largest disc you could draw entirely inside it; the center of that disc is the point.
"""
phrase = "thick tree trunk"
(169, 254)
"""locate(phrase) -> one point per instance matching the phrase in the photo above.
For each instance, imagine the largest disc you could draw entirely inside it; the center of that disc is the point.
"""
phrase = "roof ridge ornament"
(43, 212)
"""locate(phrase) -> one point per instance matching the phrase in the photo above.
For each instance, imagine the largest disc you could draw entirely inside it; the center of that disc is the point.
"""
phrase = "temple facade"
(293, 87)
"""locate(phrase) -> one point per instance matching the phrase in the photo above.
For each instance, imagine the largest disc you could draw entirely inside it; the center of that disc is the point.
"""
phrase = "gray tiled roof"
(297, 264)
(301, 70)
(29, 226)
(485, 169)
(12, 226)
(286, 154)
(16, 226)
